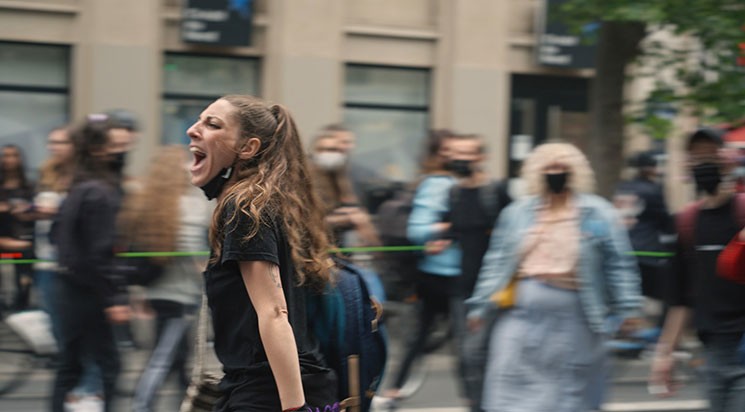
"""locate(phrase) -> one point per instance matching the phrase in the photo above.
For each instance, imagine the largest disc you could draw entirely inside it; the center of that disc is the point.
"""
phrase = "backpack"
(686, 221)
(398, 269)
(490, 198)
(346, 321)
(393, 218)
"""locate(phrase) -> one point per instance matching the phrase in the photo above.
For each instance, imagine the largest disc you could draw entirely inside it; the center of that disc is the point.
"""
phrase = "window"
(192, 82)
(388, 110)
(34, 89)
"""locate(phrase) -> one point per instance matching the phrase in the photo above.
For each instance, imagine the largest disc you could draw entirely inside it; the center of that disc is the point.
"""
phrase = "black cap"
(124, 119)
(706, 133)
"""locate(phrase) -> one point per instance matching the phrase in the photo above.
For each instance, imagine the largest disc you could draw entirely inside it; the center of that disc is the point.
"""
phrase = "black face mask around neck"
(557, 182)
(213, 188)
(707, 177)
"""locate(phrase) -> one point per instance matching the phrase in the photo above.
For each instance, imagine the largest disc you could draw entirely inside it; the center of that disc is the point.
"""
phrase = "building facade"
(388, 69)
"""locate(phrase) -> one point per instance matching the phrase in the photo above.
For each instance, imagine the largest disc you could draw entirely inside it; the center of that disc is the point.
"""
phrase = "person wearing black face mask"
(87, 299)
(707, 177)
(717, 305)
(475, 203)
(557, 182)
(547, 245)
(641, 202)
(460, 167)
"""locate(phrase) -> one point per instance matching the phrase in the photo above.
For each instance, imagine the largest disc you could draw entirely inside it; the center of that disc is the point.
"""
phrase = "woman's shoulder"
(241, 218)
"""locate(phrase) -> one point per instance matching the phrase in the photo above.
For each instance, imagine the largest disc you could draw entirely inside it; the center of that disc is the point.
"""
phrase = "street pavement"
(438, 393)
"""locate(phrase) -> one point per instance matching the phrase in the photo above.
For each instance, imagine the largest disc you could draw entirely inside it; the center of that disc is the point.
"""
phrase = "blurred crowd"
(533, 283)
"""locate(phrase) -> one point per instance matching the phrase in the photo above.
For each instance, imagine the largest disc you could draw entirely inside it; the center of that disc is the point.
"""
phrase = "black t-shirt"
(472, 225)
(718, 304)
(6, 224)
(23, 230)
(238, 344)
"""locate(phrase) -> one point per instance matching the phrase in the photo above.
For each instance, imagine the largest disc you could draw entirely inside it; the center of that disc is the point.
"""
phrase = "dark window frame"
(31, 88)
(172, 96)
(175, 95)
(390, 106)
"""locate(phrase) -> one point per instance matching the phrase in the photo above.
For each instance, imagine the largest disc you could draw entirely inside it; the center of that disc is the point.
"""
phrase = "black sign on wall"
(217, 22)
(558, 46)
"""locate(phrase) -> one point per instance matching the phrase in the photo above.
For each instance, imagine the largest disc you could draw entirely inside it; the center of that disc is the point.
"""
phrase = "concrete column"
(117, 66)
(473, 71)
(303, 65)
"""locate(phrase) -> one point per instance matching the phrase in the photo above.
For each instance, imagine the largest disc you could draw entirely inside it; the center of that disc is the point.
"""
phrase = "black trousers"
(84, 331)
(437, 294)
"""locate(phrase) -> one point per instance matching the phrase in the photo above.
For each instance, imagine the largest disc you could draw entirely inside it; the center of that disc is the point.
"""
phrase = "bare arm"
(264, 288)
(675, 323)
(9, 243)
(663, 364)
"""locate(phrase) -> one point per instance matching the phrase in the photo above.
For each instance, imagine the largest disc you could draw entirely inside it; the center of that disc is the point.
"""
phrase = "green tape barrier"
(371, 249)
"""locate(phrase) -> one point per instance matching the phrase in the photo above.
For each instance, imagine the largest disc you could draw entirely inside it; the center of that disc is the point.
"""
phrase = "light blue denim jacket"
(608, 274)
(431, 203)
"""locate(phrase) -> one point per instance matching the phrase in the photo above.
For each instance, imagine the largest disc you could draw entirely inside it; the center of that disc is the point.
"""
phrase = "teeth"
(196, 151)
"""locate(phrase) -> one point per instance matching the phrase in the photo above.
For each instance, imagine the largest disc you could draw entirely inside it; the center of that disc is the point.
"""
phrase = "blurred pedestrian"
(475, 203)
(438, 278)
(717, 305)
(17, 192)
(360, 177)
(168, 214)
(348, 219)
(269, 246)
(54, 182)
(568, 254)
(87, 300)
(641, 203)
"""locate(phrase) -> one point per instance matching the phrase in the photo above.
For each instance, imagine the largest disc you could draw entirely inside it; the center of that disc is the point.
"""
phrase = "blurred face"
(214, 137)
(703, 151)
(120, 141)
(11, 158)
(346, 141)
(329, 145)
(445, 151)
(556, 168)
(466, 149)
(60, 146)
(557, 177)
(328, 154)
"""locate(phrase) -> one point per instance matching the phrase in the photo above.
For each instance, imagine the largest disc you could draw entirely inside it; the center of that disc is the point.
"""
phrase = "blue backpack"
(346, 320)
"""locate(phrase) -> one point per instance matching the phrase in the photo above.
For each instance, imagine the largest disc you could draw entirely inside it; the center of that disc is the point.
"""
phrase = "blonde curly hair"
(581, 177)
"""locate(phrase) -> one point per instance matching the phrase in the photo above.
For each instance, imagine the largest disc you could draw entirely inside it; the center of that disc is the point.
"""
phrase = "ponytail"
(276, 183)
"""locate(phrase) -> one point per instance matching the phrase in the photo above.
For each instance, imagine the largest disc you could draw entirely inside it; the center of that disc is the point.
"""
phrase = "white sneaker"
(88, 403)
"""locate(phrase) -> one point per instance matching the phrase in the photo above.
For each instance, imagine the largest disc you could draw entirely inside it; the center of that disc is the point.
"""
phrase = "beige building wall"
(472, 48)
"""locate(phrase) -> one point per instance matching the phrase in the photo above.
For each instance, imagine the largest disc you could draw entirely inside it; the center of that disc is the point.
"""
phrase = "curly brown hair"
(149, 218)
(276, 183)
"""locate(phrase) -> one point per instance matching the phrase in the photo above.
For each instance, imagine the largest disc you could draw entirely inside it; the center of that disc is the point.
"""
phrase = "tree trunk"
(618, 45)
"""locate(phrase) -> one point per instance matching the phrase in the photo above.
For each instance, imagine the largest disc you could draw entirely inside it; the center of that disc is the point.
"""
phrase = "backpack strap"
(686, 225)
(490, 198)
(740, 209)
(453, 196)
(686, 220)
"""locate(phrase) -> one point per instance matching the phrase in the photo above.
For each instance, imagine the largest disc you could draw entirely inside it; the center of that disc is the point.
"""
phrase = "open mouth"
(198, 155)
